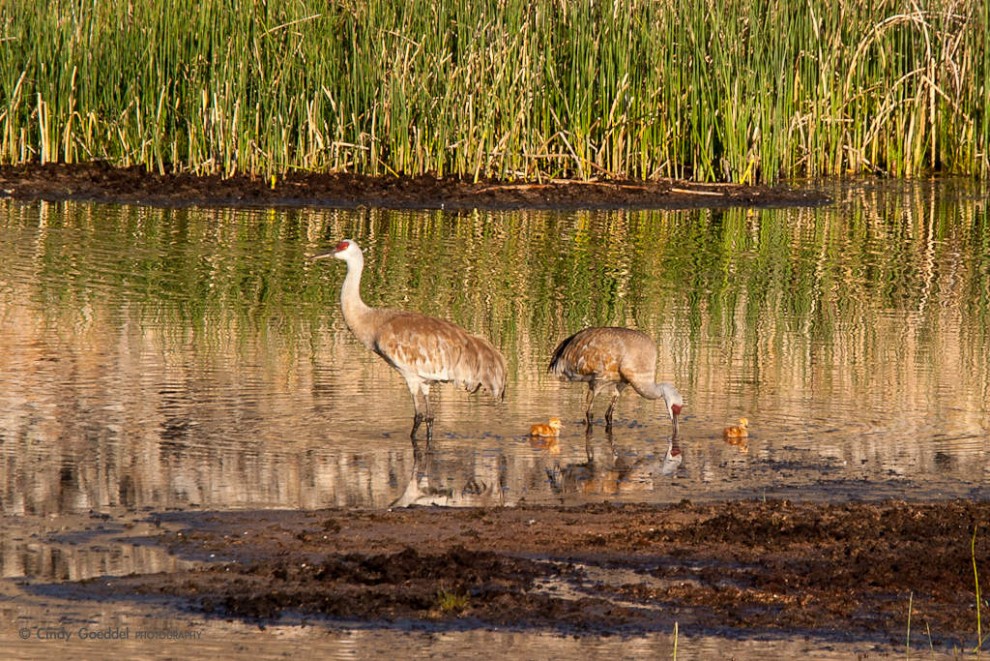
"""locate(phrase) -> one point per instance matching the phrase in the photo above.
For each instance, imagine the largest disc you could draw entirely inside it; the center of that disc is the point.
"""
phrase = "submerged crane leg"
(421, 401)
(588, 401)
(616, 391)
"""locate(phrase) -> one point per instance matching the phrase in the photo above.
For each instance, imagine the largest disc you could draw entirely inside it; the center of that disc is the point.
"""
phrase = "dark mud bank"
(842, 571)
(98, 182)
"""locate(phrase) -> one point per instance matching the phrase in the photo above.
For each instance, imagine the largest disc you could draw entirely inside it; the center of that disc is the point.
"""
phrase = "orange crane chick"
(551, 430)
(737, 432)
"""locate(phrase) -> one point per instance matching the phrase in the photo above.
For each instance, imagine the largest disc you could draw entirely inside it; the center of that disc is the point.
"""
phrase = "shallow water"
(156, 359)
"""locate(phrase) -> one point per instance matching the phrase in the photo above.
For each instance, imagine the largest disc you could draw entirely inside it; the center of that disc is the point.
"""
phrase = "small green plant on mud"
(451, 602)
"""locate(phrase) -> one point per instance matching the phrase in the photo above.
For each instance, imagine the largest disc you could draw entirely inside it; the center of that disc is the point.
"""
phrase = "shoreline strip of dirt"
(100, 182)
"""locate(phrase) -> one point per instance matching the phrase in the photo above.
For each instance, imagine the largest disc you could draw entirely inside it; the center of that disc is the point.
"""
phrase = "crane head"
(337, 251)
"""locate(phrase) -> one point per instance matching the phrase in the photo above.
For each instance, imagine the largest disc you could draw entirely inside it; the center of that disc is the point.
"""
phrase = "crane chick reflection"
(610, 471)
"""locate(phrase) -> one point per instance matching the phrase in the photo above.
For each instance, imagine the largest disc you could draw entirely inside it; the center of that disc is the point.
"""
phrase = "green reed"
(508, 89)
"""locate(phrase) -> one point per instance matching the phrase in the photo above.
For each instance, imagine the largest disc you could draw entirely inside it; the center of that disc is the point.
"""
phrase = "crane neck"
(354, 309)
(647, 388)
(665, 391)
(653, 390)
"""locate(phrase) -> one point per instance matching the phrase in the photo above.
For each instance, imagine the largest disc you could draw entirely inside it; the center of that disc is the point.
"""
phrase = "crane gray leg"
(421, 402)
(616, 391)
(418, 419)
(609, 411)
(427, 416)
(588, 400)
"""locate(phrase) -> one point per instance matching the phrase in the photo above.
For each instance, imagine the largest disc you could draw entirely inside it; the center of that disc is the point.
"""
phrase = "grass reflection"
(524, 278)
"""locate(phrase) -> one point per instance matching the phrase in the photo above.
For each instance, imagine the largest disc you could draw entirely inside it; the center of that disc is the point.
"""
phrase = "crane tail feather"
(557, 363)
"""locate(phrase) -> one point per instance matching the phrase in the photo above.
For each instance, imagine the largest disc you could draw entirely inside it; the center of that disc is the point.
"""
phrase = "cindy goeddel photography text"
(97, 633)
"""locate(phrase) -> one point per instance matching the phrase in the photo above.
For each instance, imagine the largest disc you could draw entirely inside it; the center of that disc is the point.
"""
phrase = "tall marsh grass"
(703, 89)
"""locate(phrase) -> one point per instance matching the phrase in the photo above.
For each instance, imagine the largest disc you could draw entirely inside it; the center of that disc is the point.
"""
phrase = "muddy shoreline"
(99, 182)
(841, 572)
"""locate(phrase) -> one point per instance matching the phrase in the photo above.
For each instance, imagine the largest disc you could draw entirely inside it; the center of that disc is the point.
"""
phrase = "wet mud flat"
(854, 571)
(100, 182)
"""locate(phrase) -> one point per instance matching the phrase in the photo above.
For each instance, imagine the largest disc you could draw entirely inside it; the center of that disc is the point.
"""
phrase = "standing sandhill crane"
(611, 359)
(423, 349)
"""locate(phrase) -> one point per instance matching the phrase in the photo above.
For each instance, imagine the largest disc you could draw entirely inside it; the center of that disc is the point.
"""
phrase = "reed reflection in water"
(197, 358)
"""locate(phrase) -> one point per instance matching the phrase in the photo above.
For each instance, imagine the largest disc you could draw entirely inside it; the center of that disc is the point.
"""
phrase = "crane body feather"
(438, 351)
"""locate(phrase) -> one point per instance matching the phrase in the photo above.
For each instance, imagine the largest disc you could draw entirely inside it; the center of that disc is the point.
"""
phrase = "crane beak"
(323, 255)
(675, 413)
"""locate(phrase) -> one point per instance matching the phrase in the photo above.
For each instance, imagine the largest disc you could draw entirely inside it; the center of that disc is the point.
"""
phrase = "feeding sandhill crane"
(423, 349)
(610, 359)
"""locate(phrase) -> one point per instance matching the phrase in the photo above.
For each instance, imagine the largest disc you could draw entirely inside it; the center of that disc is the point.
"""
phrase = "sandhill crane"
(423, 349)
(610, 359)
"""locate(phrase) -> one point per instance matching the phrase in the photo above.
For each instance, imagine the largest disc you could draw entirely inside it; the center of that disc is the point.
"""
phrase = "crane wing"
(439, 351)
